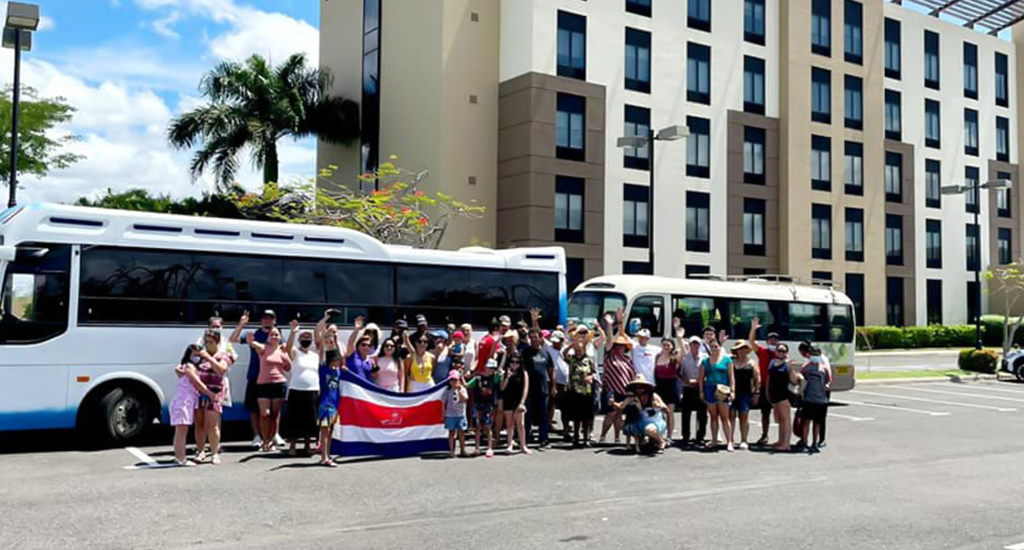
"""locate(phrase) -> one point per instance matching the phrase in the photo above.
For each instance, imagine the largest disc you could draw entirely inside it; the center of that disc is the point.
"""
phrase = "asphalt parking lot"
(921, 465)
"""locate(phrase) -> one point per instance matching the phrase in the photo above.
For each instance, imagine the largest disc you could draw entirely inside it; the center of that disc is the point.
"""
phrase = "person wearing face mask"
(817, 379)
(780, 376)
(765, 355)
(303, 390)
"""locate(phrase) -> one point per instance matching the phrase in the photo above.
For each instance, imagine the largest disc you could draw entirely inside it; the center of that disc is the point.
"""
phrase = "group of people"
(506, 387)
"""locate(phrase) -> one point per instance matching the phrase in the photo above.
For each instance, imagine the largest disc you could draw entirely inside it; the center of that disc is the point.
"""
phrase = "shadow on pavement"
(46, 441)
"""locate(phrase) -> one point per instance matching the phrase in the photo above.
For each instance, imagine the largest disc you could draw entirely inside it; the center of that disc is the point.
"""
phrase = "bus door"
(648, 311)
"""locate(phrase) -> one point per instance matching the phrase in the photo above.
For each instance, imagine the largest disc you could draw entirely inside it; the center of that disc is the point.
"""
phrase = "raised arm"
(220, 367)
(755, 324)
(535, 318)
(357, 333)
(292, 334)
(251, 340)
(321, 332)
(236, 335)
(620, 321)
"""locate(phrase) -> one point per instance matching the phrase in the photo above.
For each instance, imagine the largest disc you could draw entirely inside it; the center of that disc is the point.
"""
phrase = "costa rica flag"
(373, 421)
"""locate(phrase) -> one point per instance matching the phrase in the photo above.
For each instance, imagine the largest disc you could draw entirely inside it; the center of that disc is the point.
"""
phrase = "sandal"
(526, 451)
(490, 453)
(328, 463)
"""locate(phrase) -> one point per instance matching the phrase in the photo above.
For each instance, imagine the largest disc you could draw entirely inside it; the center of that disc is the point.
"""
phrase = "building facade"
(821, 133)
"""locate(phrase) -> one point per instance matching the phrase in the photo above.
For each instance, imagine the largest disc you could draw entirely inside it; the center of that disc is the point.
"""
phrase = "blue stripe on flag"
(390, 450)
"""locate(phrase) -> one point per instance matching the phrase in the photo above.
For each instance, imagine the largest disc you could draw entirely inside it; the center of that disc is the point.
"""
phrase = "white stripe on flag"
(357, 434)
(355, 391)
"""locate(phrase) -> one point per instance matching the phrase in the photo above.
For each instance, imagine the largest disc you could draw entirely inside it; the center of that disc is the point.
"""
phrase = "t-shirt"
(455, 402)
(259, 335)
(561, 367)
(485, 351)
(273, 365)
(538, 361)
(816, 376)
(484, 388)
(717, 373)
(363, 368)
(305, 370)
(643, 360)
(764, 359)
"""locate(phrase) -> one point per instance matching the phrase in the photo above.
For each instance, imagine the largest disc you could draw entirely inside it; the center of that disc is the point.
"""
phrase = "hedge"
(993, 333)
(983, 361)
(933, 336)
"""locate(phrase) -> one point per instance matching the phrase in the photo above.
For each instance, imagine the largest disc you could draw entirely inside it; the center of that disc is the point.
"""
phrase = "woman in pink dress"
(183, 406)
(212, 371)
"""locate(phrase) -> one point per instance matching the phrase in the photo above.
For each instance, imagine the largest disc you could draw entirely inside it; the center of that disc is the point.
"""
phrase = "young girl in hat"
(455, 398)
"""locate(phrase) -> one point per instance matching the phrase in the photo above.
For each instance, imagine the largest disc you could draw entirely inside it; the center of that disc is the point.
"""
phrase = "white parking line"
(896, 407)
(150, 461)
(1018, 546)
(851, 418)
(963, 394)
(995, 387)
(937, 401)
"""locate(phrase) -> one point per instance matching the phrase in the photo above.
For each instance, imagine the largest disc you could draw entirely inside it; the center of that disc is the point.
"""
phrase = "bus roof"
(753, 288)
(56, 223)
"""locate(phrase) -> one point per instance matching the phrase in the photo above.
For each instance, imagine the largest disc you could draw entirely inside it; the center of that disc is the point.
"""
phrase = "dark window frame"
(932, 113)
(698, 71)
(932, 50)
(754, 137)
(821, 144)
(640, 41)
(970, 78)
(751, 19)
(933, 254)
(932, 194)
(853, 149)
(700, 138)
(698, 210)
(754, 85)
(637, 195)
(570, 187)
(572, 24)
(571, 104)
(853, 32)
(893, 48)
(755, 207)
(853, 86)
(853, 222)
(821, 216)
(640, 117)
(696, 21)
(821, 102)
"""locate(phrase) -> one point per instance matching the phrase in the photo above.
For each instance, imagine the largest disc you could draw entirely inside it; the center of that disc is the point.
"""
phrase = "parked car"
(1013, 363)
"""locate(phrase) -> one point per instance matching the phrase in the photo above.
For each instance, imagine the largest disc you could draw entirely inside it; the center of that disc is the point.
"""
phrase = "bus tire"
(124, 415)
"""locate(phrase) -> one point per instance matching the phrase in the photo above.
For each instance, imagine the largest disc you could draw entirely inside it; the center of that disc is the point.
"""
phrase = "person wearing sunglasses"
(780, 378)
(515, 388)
(419, 366)
(389, 374)
(358, 361)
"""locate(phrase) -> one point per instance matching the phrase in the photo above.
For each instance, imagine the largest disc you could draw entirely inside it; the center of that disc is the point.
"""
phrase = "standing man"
(644, 354)
(421, 331)
(764, 359)
(542, 384)
(487, 346)
(554, 349)
(260, 335)
(689, 372)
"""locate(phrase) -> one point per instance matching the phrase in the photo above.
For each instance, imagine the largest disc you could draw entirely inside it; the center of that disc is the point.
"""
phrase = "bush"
(983, 361)
(993, 332)
(937, 336)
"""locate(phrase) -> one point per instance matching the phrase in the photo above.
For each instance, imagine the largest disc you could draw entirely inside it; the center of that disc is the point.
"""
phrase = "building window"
(821, 231)
(369, 150)
(971, 132)
(970, 70)
(753, 227)
(637, 268)
(1003, 209)
(972, 247)
(570, 127)
(635, 223)
(639, 7)
(698, 219)
(931, 60)
(753, 155)
(932, 183)
(892, 48)
(572, 45)
(698, 147)
(893, 177)
(754, 271)
(855, 291)
(1002, 139)
(971, 180)
(753, 21)
(894, 301)
(893, 239)
(853, 168)
(569, 209)
(1005, 246)
(934, 295)
(821, 163)
(933, 244)
(821, 95)
(695, 270)
(854, 229)
(893, 117)
(821, 27)
(698, 73)
(638, 123)
(932, 124)
(821, 278)
(853, 38)
(1002, 81)
(638, 60)
(698, 16)
(753, 85)
(854, 103)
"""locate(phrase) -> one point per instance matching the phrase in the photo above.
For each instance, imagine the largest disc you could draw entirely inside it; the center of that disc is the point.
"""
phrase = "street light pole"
(15, 108)
(977, 270)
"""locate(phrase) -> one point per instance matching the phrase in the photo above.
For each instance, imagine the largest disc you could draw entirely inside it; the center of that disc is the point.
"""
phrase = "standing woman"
(579, 399)
(748, 387)
(419, 367)
(666, 380)
(212, 370)
(618, 373)
(182, 408)
(780, 376)
(303, 391)
(717, 386)
(271, 385)
(515, 386)
(389, 371)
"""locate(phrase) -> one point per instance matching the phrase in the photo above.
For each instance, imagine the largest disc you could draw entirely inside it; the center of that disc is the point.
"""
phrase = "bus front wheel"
(123, 415)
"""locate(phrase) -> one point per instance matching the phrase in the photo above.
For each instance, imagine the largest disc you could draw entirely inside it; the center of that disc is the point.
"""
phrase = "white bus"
(796, 312)
(96, 305)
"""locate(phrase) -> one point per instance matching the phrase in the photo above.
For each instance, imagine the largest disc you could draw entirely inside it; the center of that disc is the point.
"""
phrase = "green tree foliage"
(251, 106)
(40, 149)
(1008, 282)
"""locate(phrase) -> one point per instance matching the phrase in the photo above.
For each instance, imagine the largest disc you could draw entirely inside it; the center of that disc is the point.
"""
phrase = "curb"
(946, 379)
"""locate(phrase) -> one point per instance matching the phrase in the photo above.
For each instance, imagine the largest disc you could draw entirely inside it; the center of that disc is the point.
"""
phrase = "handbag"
(723, 392)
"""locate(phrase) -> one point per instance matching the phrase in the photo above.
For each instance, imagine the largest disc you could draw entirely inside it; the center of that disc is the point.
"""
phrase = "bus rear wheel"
(123, 415)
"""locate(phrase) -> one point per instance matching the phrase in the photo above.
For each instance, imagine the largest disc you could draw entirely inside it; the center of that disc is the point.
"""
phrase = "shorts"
(709, 395)
(639, 428)
(250, 397)
(741, 403)
(668, 390)
(276, 390)
(455, 423)
(484, 415)
(813, 412)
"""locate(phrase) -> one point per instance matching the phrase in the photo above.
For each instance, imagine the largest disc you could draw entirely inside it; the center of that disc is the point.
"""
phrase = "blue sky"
(129, 66)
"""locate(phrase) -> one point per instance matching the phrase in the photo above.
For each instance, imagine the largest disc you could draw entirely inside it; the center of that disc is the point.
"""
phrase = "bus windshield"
(587, 306)
(35, 294)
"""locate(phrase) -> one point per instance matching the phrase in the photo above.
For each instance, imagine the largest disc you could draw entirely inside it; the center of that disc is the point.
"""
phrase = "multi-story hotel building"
(820, 134)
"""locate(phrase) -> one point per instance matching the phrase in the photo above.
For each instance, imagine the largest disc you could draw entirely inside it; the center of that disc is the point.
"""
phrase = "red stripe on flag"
(356, 412)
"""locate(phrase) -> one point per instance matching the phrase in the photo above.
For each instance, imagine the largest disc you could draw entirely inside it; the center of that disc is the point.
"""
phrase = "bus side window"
(649, 311)
(841, 325)
(695, 313)
(742, 312)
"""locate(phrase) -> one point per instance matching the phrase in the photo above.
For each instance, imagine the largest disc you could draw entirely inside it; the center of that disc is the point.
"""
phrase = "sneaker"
(215, 460)
(744, 446)
(762, 442)
(821, 445)
(257, 441)
(183, 463)
(278, 442)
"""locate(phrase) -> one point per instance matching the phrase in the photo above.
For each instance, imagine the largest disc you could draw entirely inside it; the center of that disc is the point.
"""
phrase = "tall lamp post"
(22, 20)
(976, 191)
(671, 133)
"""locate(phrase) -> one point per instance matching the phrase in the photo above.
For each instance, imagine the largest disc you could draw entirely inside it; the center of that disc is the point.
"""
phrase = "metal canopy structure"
(993, 15)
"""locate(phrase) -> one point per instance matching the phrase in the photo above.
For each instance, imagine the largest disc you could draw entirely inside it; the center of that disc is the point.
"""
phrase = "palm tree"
(253, 105)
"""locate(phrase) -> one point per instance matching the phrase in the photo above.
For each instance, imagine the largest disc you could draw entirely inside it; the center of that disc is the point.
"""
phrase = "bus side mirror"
(8, 253)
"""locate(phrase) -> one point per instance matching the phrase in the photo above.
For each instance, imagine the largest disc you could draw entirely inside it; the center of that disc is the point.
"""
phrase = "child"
(327, 412)
(484, 387)
(455, 412)
(183, 407)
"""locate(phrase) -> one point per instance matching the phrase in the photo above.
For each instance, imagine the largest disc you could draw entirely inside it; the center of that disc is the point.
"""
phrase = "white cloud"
(132, 64)
(46, 23)
(163, 25)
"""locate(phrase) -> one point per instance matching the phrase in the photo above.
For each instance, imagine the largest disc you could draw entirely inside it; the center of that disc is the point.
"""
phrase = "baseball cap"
(458, 334)
(401, 323)
(269, 313)
(696, 340)
(521, 324)
(505, 321)
(440, 334)
(643, 333)
(545, 334)
(491, 364)
(773, 335)
(557, 336)
(421, 320)
(453, 375)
